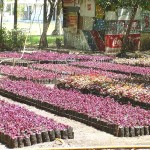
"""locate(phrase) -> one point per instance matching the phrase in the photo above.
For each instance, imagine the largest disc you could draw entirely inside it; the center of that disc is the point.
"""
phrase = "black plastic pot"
(57, 133)
(27, 141)
(20, 142)
(33, 139)
(132, 131)
(51, 135)
(45, 136)
(64, 134)
(39, 138)
(137, 131)
(14, 143)
(126, 132)
(146, 130)
(120, 132)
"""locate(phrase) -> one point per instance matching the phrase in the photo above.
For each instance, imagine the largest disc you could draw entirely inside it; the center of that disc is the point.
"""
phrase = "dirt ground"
(85, 136)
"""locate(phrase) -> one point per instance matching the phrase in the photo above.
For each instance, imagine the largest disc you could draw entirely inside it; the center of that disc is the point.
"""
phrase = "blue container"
(99, 24)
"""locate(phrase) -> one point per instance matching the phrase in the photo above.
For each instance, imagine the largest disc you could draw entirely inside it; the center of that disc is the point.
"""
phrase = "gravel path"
(85, 136)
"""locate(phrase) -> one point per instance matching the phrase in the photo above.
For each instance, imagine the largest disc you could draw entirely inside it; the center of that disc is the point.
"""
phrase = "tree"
(134, 4)
(47, 17)
(58, 19)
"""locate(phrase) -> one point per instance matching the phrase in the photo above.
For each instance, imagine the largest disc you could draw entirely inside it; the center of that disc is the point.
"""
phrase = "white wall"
(87, 8)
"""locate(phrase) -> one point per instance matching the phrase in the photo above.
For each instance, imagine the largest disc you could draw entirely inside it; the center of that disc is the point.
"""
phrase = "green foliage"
(20, 11)
(107, 4)
(1, 4)
(11, 39)
(33, 40)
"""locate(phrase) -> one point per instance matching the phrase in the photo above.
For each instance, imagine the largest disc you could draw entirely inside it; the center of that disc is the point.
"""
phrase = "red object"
(98, 40)
(115, 41)
(135, 39)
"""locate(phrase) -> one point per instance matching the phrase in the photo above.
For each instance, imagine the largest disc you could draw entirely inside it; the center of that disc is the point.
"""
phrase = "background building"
(88, 26)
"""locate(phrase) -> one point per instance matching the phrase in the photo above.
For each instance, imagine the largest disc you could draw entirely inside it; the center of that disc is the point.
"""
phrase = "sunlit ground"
(34, 28)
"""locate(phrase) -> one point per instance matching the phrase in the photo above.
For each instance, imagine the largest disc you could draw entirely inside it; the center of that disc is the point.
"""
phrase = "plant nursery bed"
(99, 124)
(40, 81)
(119, 120)
(118, 68)
(24, 73)
(97, 91)
(103, 85)
(55, 61)
(142, 62)
(84, 135)
(55, 56)
(72, 70)
(20, 127)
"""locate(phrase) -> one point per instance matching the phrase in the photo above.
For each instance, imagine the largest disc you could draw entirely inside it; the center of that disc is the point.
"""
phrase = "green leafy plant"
(11, 39)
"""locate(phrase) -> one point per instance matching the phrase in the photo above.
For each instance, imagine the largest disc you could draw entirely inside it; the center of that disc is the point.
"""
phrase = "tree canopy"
(1, 4)
(107, 4)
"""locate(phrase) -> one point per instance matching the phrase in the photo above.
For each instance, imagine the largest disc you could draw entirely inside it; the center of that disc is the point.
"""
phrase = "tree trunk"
(15, 14)
(46, 22)
(58, 19)
(43, 39)
(1, 10)
(15, 23)
(125, 43)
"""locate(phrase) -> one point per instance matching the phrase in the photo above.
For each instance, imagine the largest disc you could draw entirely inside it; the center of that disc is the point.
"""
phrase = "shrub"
(11, 39)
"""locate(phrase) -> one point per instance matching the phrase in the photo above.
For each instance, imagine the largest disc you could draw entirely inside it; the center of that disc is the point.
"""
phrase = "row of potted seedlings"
(44, 56)
(102, 113)
(19, 72)
(101, 85)
(137, 93)
(18, 62)
(84, 81)
(119, 68)
(143, 62)
(72, 70)
(13, 55)
(55, 56)
(20, 127)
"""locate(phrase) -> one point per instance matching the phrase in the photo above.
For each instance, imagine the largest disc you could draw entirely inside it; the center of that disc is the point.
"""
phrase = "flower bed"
(44, 56)
(72, 70)
(85, 81)
(128, 91)
(10, 55)
(115, 67)
(63, 69)
(61, 57)
(93, 57)
(101, 85)
(19, 72)
(144, 62)
(103, 113)
(20, 127)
